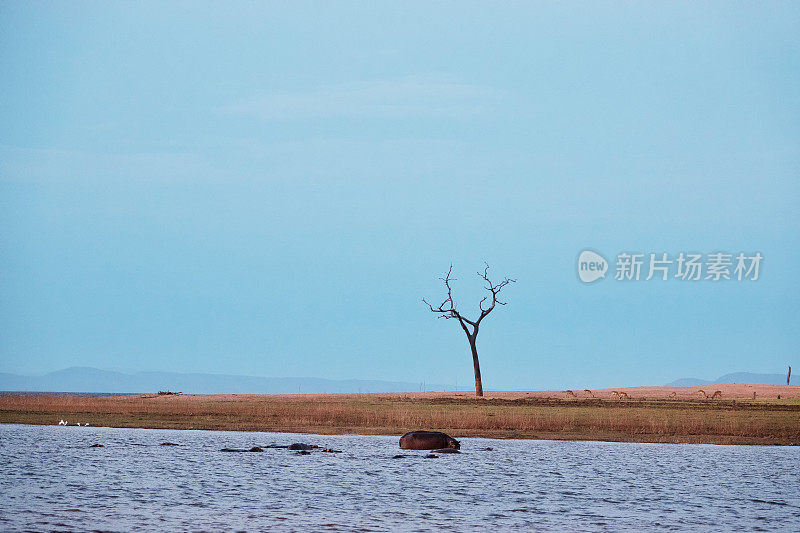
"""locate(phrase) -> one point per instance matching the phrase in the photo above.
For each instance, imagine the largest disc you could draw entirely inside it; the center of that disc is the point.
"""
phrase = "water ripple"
(53, 480)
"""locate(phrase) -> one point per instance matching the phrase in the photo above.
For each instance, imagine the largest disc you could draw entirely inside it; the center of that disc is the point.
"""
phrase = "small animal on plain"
(702, 393)
(570, 393)
(590, 392)
(624, 395)
(717, 394)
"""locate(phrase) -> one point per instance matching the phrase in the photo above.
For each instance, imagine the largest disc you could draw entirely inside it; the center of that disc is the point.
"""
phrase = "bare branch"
(494, 289)
(446, 313)
(447, 309)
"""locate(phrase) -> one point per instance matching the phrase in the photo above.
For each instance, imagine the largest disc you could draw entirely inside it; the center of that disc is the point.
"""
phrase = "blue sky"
(271, 188)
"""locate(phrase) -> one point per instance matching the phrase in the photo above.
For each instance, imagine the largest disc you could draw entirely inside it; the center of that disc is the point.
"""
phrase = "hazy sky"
(271, 188)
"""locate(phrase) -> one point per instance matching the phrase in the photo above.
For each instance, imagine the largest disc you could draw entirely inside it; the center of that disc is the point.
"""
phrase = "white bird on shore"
(62, 423)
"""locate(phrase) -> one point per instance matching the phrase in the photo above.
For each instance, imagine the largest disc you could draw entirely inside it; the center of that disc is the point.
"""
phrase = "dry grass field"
(640, 414)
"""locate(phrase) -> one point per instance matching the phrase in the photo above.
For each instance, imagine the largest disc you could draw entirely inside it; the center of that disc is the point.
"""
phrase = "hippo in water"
(302, 447)
(428, 440)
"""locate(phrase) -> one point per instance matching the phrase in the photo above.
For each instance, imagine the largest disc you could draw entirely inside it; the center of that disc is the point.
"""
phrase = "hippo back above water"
(427, 440)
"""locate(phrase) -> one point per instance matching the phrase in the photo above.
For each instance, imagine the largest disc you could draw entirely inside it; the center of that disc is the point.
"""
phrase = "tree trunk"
(474, 346)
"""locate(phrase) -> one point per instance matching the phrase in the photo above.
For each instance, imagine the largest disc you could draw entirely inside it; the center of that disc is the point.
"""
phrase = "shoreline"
(701, 440)
(643, 414)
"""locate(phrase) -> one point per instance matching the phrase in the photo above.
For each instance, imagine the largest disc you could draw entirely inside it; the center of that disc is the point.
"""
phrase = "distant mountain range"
(93, 380)
(737, 377)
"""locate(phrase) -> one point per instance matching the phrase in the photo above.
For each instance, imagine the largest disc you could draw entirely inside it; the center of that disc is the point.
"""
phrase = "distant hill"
(86, 379)
(736, 377)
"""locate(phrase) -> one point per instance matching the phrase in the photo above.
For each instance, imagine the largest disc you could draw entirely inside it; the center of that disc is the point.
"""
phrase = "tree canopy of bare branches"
(447, 310)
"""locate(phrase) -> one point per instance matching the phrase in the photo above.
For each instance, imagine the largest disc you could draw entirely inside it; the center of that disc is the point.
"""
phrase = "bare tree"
(447, 310)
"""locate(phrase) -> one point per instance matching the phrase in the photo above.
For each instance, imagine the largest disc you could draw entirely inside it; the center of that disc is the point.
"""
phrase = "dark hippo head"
(453, 443)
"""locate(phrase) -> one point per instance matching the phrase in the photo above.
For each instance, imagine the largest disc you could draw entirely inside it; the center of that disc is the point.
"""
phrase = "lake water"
(52, 480)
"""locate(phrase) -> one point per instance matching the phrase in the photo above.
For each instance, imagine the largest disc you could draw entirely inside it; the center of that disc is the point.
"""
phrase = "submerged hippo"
(253, 449)
(428, 440)
(301, 446)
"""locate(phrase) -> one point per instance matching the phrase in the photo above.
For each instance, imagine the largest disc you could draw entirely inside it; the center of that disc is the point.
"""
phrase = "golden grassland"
(596, 415)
